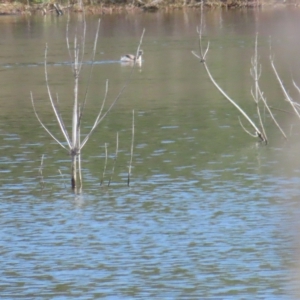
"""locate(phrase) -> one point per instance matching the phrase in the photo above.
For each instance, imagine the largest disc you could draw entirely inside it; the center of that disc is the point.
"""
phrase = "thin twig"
(97, 119)
(271, 114)
(131, 151)
(60, 117)
(42, 124)
(79, 161)
(140, 44)
(91, 71)
(285, 93)
(42, 182)
(255, 72)
(68, 42)
(105, 164)
(282, 110)
(115, 159)
(63, 177)
(247, 131)
(83, 36)
(59, 120)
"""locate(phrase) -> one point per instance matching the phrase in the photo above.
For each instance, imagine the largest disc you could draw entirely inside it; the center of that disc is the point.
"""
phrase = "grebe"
(132, 58)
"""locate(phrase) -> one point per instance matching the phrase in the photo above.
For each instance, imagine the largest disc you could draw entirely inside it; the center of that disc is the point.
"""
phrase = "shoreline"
(17, 8)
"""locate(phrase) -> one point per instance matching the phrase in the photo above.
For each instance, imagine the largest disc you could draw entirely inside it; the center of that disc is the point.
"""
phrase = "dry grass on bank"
(93, 7)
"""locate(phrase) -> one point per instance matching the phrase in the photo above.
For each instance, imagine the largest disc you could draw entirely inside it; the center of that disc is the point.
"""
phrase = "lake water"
(210, 212)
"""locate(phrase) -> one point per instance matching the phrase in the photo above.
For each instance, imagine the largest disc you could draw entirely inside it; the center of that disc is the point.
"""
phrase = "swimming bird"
(132, 58)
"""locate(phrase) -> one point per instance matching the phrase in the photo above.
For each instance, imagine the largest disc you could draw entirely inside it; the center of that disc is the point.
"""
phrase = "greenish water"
(210, 213)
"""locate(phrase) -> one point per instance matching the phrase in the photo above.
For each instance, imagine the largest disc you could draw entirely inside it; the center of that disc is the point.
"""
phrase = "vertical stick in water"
(79, 157)
(63, 178)
(131, 152)
(105, 164)
(41, 172)
(116, 155)
(73, 170)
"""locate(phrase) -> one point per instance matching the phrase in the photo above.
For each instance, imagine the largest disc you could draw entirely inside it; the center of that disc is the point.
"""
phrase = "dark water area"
(211, 213)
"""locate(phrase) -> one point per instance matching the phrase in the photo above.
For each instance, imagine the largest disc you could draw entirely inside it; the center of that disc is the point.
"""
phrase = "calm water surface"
(210, 213)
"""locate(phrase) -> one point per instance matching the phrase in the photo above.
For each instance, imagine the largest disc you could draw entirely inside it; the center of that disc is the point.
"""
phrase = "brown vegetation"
(108, 7)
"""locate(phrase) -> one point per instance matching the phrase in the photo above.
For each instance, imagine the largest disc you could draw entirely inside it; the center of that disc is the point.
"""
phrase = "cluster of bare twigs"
(116, 156)
(114, 163)
(74, 144)
(256, 92)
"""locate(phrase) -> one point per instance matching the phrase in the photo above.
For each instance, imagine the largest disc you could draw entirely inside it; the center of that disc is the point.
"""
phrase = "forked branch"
(257, 130)
(202, 59)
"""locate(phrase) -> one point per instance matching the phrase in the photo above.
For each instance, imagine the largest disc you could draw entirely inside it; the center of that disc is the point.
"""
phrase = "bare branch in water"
(285, 93)
(202, 58)
(63, 178)
(42, 124)
(42, 182)
(131, 150)
(115, 159)
(255, 72)
(271, 114)
(105, 164)
(96, 123)
(76, 54)
(140, 43)
(57, 115)
(91, 71)
(247, 131)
